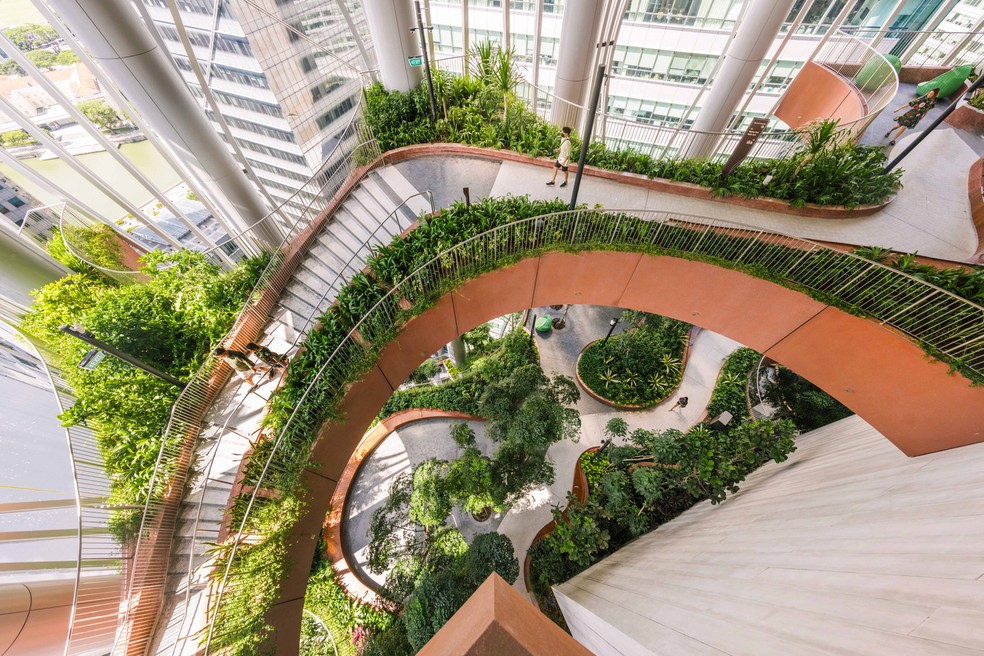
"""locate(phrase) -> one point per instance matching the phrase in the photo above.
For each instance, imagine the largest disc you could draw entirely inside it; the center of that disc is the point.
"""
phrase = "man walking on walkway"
(563, 157)
(681, 402)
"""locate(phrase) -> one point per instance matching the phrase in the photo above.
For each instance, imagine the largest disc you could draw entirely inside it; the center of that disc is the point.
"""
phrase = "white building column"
(749, 45)
(119, 42)
(389, 23)
(575, 59)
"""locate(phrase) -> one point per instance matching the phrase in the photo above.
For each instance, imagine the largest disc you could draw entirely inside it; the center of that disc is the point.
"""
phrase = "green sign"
(415, 62)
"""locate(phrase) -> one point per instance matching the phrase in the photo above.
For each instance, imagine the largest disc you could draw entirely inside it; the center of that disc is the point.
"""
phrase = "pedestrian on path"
(272, 361)
(239, 362)
(563, 157)
(920, 106)
(681, 402)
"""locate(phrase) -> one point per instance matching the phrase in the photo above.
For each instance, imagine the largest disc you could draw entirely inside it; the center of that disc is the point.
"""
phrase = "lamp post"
(81, 333)
(611, 327)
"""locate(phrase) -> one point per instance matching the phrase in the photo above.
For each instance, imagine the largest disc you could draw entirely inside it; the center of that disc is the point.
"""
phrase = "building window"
(335, 112)
(16, 202)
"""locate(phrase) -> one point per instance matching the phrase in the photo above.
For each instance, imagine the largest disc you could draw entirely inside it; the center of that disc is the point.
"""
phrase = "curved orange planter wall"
(881, 375)
(818, 93)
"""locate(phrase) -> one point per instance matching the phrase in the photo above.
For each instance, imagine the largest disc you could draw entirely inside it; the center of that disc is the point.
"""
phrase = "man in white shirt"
(563, 158)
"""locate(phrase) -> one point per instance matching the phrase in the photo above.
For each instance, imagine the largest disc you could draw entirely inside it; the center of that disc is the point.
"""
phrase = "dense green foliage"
(31, 36)
(97, 244)
(425, 372)
(470, 110)
(259, 567)
(639, 367)
(43, 59)
(345, 618)
(964, 281)
(806, 405)
(481, 110)
(463, 393)
(171, 322)
(650, 480)
(66, 58)
(100, 113)
(14, 138)
(10, 67)
(729, 392)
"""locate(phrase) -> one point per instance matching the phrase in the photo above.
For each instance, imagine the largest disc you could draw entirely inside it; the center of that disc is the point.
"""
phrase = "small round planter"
(612, 404)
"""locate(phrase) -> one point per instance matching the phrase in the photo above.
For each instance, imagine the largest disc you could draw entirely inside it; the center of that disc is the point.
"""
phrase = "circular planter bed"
(637, 369)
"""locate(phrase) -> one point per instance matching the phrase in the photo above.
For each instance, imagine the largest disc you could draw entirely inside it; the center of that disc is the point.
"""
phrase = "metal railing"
(200, 574)
(949, 326)
(926, 48)
(145, 588)
(843, 53)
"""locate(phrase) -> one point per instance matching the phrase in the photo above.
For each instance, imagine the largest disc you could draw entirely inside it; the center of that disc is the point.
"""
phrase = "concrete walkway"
(930, 215)
(413, 443)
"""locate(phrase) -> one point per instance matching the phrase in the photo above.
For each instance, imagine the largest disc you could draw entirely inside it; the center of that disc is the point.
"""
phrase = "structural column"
(389, 23)
(575, 59)
(120, 43)
(749, 45)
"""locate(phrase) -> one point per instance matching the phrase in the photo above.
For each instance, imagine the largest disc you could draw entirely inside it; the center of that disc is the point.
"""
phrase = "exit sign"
(415, 61)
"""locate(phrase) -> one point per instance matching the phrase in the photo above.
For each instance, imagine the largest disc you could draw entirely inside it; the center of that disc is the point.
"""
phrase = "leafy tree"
(436, 598)
(171, 322)
(13, 138)
(100, 113)
(98, 244)
(808, 406)
(579, 533)
(430, 501)
(43, 59)
(526, 413)
(31, 36)
(66, 58)
(10, 67)
(489, 552)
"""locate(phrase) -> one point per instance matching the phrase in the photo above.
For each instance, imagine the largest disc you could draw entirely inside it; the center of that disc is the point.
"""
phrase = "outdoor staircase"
(382, 206)
(372, 214)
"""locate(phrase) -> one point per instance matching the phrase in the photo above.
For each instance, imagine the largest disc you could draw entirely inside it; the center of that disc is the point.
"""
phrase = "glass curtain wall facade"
(285, 74)
(667, 51)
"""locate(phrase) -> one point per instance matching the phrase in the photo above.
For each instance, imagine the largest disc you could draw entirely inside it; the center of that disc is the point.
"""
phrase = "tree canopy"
(31, 36)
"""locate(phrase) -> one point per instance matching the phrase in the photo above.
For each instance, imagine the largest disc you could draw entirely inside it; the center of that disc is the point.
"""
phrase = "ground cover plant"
(729, 391)
(633, 489)
(480, 109)
(171, 322)
(640, 366)
(806, 405)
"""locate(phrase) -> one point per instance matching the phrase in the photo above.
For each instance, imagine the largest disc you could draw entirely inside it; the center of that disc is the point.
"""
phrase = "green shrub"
(653, 478)
(594, 465)
(799, 400)
(641, 366)
(490, 552)
(729, 392)
(171, 322)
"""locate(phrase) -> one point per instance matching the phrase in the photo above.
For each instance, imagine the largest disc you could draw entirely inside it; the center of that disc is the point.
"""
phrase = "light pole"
(427, 69)
(81, 333)
(611, 327)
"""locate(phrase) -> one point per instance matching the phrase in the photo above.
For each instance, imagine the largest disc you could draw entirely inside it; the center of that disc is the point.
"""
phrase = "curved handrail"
(183, 423)
(562, 229)
(365, 248)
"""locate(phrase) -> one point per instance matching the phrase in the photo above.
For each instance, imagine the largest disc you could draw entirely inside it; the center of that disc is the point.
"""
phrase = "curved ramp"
(878, 373)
